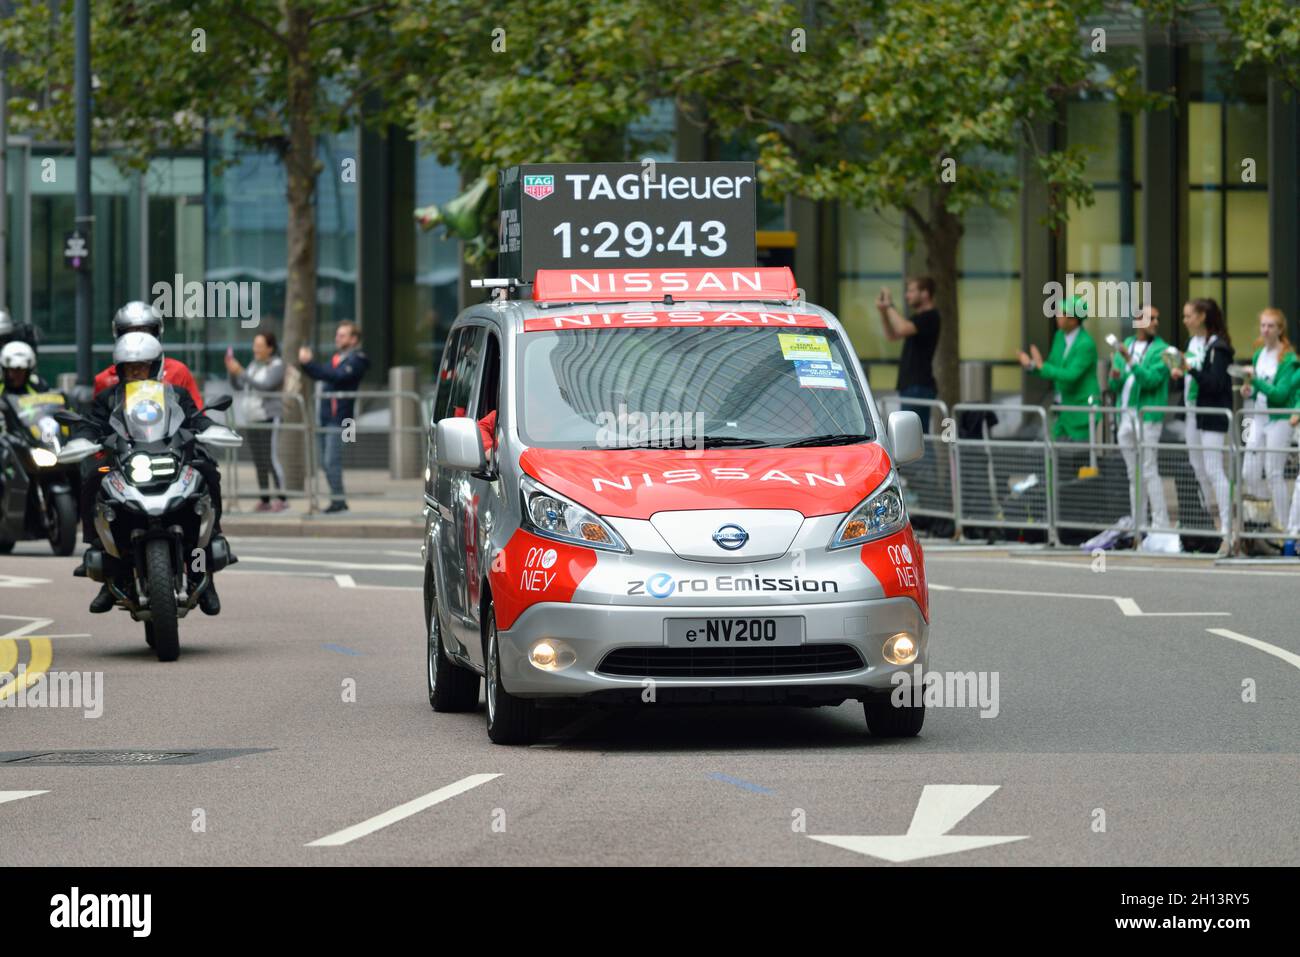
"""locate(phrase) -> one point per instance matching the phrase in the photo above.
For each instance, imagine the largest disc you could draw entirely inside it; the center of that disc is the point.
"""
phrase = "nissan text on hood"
(658, 476)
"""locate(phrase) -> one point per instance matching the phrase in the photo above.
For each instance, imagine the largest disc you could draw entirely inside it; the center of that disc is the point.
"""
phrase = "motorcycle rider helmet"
(18, 355)
(135, 316)
(133, 347)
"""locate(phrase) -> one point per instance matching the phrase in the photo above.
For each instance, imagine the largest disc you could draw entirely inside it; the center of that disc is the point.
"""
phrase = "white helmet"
(18, 355)
(7, 327)
(138, 315)
(138, 347)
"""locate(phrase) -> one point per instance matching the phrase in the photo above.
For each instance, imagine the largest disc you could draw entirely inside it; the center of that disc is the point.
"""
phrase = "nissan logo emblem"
(730, 537)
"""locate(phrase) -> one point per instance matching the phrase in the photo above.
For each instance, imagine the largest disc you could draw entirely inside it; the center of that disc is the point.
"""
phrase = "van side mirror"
(459, 444)
(905, 437)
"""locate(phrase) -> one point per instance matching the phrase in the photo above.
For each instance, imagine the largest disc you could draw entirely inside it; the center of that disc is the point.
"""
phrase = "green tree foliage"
(276, 73)
(915, 105)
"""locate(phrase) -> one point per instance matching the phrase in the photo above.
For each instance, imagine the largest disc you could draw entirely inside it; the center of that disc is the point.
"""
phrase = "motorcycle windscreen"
(37, 406)
(145, 410)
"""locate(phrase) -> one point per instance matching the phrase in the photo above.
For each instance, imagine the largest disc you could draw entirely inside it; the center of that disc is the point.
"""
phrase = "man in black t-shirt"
(920, 335)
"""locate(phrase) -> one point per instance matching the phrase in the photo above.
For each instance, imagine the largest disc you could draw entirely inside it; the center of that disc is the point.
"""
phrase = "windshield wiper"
(831, 438)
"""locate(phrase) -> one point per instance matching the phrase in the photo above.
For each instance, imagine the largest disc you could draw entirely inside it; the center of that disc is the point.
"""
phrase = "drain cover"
(100, 757)
(122, 758)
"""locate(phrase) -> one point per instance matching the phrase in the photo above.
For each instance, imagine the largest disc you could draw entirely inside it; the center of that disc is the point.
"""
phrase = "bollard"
(404, 443)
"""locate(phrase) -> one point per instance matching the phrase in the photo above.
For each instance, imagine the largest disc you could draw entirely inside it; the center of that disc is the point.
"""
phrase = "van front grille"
(816, 659)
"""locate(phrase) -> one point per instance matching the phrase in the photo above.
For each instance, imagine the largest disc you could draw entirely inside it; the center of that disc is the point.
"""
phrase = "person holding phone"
(261, 406)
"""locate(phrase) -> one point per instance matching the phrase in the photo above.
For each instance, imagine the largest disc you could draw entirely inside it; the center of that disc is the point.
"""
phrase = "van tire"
(451, 687)
(510, 720)
(886, 720)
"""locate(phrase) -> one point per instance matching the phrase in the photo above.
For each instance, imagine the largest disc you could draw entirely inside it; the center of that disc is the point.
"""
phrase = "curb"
(322, 528)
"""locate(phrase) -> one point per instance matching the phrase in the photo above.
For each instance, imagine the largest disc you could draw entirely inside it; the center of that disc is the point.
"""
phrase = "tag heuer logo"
(539, 187)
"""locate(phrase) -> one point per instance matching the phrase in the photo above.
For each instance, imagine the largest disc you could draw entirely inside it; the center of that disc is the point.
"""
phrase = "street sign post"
(76, 250)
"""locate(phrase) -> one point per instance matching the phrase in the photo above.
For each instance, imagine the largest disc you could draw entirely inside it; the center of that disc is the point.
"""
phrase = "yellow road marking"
(8, 655)
(42, 655)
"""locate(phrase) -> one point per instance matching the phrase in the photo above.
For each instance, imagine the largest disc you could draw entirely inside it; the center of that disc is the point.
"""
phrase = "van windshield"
(689, 387)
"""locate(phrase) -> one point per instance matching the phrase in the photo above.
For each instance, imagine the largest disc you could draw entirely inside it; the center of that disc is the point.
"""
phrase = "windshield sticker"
(819, 374)
(795, 346)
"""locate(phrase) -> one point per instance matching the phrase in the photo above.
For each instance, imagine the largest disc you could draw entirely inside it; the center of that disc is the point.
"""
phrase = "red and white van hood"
(637, 483)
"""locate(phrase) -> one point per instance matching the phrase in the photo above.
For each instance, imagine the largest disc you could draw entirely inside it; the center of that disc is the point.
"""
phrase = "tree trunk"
(301, 168)
(942, 240)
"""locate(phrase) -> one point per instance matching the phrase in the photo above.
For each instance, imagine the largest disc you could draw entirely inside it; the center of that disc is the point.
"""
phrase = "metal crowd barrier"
(929, 481)
(289, 444)
(1090, 487)
(1070, 491)
(1268, 489)
(1000, 482)
(388, 431)
(1195, 477)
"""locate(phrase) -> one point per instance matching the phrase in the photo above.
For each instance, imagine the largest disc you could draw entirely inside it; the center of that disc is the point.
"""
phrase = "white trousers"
(1153, 486)
(1262, 470)
(1205, 450)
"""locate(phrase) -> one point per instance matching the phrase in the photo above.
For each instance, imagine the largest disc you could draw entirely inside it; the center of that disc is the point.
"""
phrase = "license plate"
(733, 632)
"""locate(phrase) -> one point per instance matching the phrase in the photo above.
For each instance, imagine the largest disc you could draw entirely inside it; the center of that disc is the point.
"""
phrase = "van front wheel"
(887, 720)
(510, 720)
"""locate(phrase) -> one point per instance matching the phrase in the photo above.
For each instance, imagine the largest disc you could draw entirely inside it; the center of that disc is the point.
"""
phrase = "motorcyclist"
(12, 331)
(135, 316)
(18, 362)
(138, 356)
(138, 316)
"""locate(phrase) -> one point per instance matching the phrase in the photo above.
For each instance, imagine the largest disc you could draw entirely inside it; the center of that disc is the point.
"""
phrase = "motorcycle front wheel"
(62, 524)
(162, 599)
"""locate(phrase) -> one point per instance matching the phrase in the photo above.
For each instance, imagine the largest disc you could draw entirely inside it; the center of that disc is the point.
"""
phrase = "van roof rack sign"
(649, 215)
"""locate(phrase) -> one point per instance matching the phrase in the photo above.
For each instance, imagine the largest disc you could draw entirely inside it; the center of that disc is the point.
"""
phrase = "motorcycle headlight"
(144, 469)
(44, 458)
(551, 515)
(139, 468)
(881, 513)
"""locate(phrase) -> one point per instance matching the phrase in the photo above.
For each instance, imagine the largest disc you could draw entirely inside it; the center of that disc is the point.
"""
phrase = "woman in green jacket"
(1268, 385)
(1071, 367)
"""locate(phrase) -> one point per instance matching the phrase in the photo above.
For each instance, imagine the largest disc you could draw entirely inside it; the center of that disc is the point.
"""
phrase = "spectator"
(1139, 378)
(1269, 383)
(920, 335)
(1071, 367)
(262, 407)
(342, 375)
(1207, 385)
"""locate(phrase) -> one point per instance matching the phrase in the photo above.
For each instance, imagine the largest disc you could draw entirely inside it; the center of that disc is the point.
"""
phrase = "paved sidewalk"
(378, 507)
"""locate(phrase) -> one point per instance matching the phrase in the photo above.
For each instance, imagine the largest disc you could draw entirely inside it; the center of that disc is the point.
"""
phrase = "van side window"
(465, 375)
(446, 369)
(485, 410)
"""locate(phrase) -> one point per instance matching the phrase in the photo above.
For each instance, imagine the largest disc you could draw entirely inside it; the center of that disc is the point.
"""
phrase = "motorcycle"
(40, 493)
(153, 513)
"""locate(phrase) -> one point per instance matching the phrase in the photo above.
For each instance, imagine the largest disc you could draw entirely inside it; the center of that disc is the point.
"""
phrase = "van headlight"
(881, 513)
(551, 515)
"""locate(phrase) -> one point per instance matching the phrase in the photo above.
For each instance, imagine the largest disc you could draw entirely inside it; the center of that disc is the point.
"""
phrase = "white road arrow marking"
(401, 812)
(18, 795)
(941, 808)
(1289, 657)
